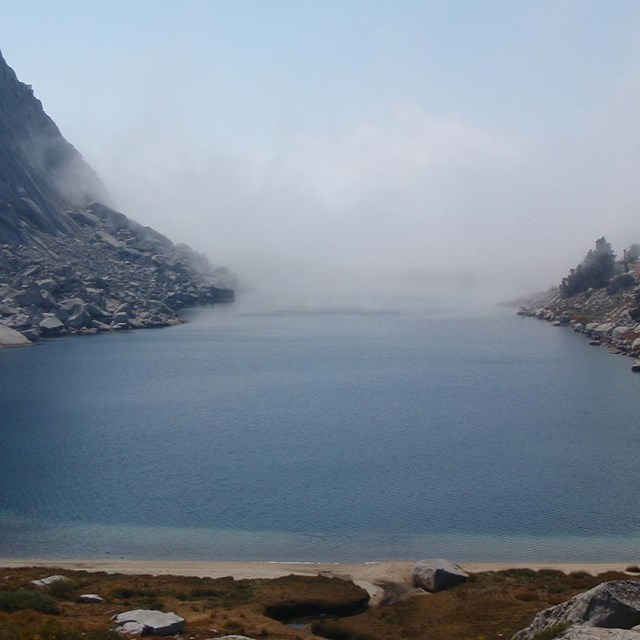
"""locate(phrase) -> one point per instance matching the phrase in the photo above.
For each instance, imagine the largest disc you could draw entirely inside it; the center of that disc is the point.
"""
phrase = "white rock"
(46, 582)
(156, 623)
(90, 598)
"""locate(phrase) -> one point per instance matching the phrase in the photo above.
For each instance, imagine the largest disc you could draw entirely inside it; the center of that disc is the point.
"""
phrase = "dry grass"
(489, 605)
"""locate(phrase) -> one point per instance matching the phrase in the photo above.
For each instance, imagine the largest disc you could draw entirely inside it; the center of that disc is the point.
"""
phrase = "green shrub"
(552, 632)
(63, 589)
(27, 599)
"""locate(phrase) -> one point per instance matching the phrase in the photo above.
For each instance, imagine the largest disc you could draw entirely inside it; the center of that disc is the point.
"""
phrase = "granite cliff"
(69, 263)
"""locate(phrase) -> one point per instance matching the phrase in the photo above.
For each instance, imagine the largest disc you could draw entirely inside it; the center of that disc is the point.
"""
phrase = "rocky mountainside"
(68, 262)
(608, 314)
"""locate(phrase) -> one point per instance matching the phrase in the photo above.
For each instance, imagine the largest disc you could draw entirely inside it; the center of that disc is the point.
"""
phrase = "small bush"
(552, 632)
(27, 599)
(63, 589)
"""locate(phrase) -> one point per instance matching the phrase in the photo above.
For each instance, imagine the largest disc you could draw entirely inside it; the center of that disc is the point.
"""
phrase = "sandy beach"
(375, 572)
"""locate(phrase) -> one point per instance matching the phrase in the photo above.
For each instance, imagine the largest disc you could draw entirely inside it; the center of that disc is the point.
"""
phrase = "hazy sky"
(344, 145)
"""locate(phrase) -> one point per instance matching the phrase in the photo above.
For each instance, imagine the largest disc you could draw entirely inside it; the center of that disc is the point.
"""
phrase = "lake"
(321, 435)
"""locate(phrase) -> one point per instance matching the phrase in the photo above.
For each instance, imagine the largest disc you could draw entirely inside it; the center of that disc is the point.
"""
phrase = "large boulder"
(611, 605)
(51, 326)
(12, 338)
(437, 575)
(149, 622)
(47, 582)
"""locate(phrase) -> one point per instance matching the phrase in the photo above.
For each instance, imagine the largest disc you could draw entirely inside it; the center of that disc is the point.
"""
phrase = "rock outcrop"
(611, 605)
(437, 575)
(609, 316)
(68, 262)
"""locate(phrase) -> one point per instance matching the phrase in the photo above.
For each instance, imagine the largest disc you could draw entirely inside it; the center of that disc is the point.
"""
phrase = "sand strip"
(395, 571)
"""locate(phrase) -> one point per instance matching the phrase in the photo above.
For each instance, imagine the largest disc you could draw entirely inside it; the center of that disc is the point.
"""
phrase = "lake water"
(321, 436)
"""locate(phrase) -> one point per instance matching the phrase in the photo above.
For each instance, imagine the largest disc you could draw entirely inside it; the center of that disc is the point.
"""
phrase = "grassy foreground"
(493, 604)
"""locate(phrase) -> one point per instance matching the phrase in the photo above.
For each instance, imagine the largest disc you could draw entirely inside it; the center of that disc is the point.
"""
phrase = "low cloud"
(411, 202)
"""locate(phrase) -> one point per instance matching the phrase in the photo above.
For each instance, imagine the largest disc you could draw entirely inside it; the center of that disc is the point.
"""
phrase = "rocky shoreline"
(112, 274)
(606, 318)
(69, 264)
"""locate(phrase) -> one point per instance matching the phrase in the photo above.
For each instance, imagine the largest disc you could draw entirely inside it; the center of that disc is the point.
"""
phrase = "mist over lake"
(259, 433)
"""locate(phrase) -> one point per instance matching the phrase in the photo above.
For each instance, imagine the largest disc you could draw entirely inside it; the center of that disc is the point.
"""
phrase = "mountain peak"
(41, 174)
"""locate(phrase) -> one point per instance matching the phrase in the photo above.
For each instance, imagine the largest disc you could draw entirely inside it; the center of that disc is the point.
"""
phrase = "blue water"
(321, 436)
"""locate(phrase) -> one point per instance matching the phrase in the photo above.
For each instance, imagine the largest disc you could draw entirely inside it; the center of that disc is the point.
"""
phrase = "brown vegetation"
(489, 605)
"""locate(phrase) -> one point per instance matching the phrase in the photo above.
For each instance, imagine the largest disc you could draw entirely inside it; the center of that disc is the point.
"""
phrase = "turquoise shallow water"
(321, 435)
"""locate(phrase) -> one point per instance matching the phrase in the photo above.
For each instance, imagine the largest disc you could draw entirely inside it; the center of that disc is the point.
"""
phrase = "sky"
(348, 147)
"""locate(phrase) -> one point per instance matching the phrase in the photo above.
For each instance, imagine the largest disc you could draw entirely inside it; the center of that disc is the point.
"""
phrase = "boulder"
(50, 326)
(603, 330)
(437, 575)
(149, 621)
(47, 582)
(28, 297)
(613, 604)
(12, 338)
(80, 320)
(90, 598)
(619, 333)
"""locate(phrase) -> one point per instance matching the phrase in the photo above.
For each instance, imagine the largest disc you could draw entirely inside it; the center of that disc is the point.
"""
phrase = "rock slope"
(68, 262)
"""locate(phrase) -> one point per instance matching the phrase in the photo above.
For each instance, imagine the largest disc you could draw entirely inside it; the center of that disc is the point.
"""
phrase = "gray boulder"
(437, 574)
(613, 604)
(149, 622)
(28, 297)
(50, 326)
(12, 338)
(47, 582)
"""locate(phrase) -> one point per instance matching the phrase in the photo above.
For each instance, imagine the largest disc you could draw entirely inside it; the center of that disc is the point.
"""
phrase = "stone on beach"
(437, 574)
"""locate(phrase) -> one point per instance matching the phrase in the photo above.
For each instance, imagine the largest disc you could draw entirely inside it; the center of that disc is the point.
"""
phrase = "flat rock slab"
(12, 338)
(90, 598)
(437, 574)
(142, 622)
(612, 605)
